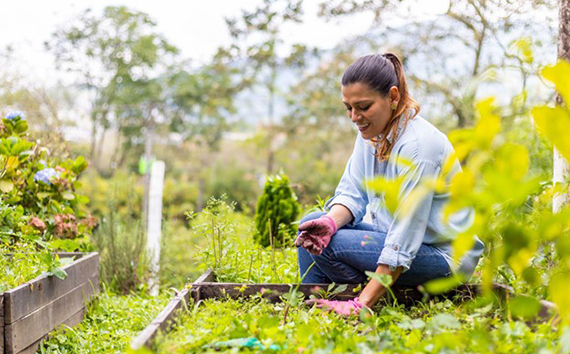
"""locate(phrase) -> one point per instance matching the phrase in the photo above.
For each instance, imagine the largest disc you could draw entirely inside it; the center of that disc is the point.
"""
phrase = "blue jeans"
(345, 259)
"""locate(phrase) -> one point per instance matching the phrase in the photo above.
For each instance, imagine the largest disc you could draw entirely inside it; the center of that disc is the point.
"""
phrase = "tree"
(449, 55)
(114, 53)
(276, 210)
(561, 168)
(202, 103)
(257, 35)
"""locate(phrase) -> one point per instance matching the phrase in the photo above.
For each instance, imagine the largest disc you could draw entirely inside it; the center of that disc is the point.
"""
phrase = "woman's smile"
(363, 126)
(368, 109)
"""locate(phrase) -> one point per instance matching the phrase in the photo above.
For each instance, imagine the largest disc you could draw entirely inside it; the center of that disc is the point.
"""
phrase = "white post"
(154, 223)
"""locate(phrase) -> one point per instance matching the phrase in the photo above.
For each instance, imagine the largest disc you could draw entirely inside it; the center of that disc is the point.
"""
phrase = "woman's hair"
(380, 72)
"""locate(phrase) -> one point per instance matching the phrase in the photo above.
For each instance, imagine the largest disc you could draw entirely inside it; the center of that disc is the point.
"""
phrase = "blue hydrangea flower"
(15, 114)
(46, 175)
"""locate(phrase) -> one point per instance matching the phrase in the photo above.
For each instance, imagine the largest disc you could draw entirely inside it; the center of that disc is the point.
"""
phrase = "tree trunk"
(271, 113)
(149, 132)
(100, 145)
(561, 168)
(93, 147)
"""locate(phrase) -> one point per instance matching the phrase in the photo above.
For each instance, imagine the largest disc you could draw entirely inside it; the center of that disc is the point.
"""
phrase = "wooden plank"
(161, 322)
(70, 322)
(273, 292)
(207, 277)
(1, 323)
(71, 254)
(29, 329)
(38, 292)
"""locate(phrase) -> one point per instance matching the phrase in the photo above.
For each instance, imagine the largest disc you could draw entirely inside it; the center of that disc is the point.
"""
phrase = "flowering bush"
(38, 192)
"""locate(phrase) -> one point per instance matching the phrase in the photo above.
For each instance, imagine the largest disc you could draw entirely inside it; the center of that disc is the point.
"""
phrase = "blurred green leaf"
(524, 306)
(442, 285)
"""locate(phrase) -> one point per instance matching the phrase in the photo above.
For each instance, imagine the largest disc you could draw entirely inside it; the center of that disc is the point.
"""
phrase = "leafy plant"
(230, 250)
(109, 325)
(276, 209)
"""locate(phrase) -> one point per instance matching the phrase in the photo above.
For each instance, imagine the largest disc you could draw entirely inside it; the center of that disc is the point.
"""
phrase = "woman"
(411, 247)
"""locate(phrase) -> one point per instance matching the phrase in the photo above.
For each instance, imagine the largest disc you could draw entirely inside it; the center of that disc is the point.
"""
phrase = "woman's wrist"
(373, 291)
(332, 222)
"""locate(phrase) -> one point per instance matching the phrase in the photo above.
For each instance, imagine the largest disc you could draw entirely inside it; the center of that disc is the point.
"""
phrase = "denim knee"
(312, 216)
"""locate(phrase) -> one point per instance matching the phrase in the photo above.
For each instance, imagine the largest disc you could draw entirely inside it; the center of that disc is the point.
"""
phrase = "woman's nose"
(354, 116)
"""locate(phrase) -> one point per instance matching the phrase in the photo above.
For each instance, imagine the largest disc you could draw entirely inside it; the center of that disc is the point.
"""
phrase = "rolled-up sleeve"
(350, 191)
(406, 232)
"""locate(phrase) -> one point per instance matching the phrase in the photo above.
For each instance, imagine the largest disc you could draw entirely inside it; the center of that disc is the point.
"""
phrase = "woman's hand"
(316, 234)
(344, 308)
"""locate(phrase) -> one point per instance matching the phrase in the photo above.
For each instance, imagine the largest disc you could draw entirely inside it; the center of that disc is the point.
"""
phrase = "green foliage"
(552, 121)
(426, 328)
(41, 188)
(276, 210)
(180, 254)
(230, 250)
(41, 210)
(121, 245)
(526, 244)
(109, 325)
(27, 263)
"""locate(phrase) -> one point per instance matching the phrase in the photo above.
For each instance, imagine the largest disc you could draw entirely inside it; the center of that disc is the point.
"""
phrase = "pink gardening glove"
(344, 308)
(316, 234)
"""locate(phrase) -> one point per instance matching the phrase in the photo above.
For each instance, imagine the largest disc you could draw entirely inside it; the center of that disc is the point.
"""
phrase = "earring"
(393, 106)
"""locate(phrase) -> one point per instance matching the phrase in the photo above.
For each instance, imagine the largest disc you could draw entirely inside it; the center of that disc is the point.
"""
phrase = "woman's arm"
(373, 291)
(340, 214)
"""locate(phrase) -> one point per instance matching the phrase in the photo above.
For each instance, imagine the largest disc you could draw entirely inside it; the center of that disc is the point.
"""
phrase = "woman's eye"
(365, 108)
(348, 109)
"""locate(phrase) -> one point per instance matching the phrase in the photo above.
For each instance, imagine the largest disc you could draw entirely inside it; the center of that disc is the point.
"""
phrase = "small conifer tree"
(277, 208)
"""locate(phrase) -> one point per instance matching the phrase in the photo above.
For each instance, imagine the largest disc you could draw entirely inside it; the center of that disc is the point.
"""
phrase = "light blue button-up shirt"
(420, 143)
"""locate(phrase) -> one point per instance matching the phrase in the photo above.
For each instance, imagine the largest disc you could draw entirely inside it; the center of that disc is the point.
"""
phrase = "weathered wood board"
(163, 320)
(205, 287)
(35, 294)
(30, 311)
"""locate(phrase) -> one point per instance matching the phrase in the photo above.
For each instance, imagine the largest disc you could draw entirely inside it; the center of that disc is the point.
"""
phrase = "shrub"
(276, 210)
(42, 189)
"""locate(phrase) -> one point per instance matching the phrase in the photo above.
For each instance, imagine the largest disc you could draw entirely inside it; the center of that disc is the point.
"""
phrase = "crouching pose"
(413, 246)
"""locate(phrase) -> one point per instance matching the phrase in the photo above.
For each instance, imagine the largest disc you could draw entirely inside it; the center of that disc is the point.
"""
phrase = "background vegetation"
(264, 103)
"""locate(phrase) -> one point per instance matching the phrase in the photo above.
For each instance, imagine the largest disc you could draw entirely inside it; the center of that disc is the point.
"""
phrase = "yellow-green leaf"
(442, 285)
(12, 163)
(553, 123)
(68, 196)
(559, 74)
(524, 306)
(489, 123)
(6, 186)
(461, 244)
(43, 195)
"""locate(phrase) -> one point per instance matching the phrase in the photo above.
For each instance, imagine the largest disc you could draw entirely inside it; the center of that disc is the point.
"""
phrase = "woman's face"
(368, 109)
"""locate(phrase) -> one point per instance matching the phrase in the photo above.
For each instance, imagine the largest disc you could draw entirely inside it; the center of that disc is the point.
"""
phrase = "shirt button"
(395, 247)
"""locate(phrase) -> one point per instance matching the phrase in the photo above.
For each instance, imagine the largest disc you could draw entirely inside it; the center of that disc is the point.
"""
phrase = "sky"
(196, 27)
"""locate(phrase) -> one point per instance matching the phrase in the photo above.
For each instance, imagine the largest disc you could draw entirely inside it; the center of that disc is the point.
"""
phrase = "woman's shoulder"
(422, 141)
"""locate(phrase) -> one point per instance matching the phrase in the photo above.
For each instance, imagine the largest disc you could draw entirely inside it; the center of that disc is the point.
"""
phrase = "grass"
(441, 327)
(109, 325)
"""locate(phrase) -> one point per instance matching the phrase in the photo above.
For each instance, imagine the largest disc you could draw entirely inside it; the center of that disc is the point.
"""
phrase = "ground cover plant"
(110, 323)
(432, 327)
(231, 252)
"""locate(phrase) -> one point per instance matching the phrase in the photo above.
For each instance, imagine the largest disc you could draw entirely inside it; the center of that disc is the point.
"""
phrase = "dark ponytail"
(380, 72)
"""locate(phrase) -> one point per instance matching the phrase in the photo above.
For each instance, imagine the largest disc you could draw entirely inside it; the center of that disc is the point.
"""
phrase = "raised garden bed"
(205, 287)
(30, 311)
